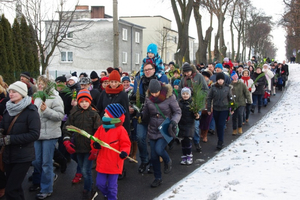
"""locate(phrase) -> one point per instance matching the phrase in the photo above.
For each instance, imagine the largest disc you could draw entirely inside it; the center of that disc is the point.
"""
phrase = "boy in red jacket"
(109, 163)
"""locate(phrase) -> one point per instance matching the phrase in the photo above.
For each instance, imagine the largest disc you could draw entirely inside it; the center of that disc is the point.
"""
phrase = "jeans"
(133, 136)
(15, 174)
(220, 119)
(196, 137)
(141, 134)
(257, 98)
(246, 112)
(212, 124)
(108, 185)
(158, 150)
(43, 164)
(237, 118)
(86, 169)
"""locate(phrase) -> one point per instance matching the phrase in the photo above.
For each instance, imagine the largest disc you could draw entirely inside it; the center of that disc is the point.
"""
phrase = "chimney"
(97, 11)
(80, 7)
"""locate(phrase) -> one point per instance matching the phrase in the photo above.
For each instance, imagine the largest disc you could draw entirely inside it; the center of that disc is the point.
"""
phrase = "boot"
(77, 178)
(189, 159)
(134, 148)
(168, 167)
(259, 109)
(234, 132)
(240, 130)
(252, 108)
(204, 135)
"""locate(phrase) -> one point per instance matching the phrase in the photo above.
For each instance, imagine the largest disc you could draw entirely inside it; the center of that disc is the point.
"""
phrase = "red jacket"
(108, 161)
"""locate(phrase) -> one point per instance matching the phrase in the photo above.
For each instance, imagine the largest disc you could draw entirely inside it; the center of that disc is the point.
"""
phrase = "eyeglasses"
(146, 70)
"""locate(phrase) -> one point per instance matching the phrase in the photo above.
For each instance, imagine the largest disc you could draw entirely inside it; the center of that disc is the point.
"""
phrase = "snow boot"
(234, 132)
(189, 159)
(183, 160)
(252, 108)
(240, 130)
(220, 145)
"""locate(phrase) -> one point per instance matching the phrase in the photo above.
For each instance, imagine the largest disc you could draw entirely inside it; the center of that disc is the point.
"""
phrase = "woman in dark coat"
(161, 95)
(19, 151)
(260, 85)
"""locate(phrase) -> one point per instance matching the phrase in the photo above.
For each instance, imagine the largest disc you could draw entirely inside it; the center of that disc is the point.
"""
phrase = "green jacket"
(240, 93)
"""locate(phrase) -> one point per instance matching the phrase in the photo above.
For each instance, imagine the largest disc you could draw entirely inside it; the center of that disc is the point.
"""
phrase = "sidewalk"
(264, 163)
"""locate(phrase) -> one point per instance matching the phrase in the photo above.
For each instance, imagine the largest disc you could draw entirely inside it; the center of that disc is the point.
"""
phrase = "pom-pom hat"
(115, 110)
(84, 95)
(114, 76)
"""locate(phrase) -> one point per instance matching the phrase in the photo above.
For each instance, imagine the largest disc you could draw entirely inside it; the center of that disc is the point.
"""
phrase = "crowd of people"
(126, 112)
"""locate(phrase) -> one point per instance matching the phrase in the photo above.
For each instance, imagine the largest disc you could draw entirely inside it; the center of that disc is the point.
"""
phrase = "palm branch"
(259, 76)
(46, 93)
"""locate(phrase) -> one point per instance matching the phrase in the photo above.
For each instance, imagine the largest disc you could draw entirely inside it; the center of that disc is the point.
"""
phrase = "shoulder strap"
(13, 122)
(160, 111)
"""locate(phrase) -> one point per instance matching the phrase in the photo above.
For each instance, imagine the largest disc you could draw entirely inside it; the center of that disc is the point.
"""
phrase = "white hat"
(19, 87)
(74, 78)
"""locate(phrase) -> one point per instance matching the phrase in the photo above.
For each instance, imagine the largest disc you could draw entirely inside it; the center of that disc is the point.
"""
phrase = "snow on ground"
(263, 163)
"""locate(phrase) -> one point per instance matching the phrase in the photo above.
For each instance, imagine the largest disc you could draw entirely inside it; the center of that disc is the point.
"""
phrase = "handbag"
(3, 147)
(163, 128)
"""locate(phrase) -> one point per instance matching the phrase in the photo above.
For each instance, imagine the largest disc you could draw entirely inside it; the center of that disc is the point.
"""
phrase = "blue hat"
(115, 110)
(152, 48)
(176, 82)
(219, 65)
(125, 78)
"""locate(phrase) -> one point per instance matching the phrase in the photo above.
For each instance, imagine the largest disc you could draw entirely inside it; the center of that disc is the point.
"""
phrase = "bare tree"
(203, 42)
(52, 29)
(182, 21)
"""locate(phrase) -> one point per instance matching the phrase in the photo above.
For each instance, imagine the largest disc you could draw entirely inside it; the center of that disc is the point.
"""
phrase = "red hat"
(114, 76)
(109, 69)
(105, 78)
(84, 95)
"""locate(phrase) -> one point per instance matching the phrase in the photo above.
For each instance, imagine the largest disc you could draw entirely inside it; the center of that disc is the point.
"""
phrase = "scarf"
(246, 79)
(14, 109)
(109, 123)
(187, 81)
(161, 97)
(109, 90)
(176, 92)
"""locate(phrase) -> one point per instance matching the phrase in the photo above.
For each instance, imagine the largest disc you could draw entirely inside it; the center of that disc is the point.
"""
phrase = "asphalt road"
(136, 186)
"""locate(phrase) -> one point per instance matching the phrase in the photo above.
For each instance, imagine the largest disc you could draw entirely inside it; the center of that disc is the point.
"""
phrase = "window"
(124, 59)
(124, 34)
(137, 58)
(66, 56)
(70, 35)
(137, 37)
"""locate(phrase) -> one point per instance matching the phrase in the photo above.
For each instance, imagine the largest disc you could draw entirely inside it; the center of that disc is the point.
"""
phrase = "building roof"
(145, 17)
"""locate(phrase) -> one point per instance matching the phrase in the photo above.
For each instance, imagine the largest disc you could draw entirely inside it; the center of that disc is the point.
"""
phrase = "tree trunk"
(209, 40)
(232, 41)
(222, 47)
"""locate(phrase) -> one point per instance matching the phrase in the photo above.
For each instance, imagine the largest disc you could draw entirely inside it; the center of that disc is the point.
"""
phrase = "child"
(85, 117)
(154, 58)
(175, 88)
(186, 126)
(109, 163)
(176, 76)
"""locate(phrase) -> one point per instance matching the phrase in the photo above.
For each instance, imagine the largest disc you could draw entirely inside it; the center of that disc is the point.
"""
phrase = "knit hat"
(220, 76)
(109, 69)
(234, 76)
(186, 90)
(105, 78)
(26, 75)
(219, 65)
(226, 59)
(206, 73)
(241, 66)
(246, 70)
(85, 81)
(125, 78)
(74, 78)
(114, 76)
(186, 67)
(154, 86)
(61, 79)
(19, 87)
(115, 110)
(176, 82)
(84, 95)
(94, 75)
(152, 48)
(68, 76)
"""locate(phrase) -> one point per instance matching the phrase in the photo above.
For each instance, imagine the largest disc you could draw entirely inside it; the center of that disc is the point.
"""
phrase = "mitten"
(249, 89)
(5, 140)
(69, 146)
(93, 154)
(123, 155)
(96, 145)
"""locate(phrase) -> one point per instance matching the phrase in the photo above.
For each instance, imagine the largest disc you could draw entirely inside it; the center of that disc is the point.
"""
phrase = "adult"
(260, 83)
(219, 69)
(25, 77)
(73, 84)
(211, 68)
(103, 74)
(160, 101)
(240, 71)
(95, 80)
(251, 70)
(51, 113)
(19, 142)
(285, 68)
(141, 84)
(269, 75)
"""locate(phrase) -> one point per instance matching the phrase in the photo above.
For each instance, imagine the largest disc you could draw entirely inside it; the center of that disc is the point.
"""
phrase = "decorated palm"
(198, 98)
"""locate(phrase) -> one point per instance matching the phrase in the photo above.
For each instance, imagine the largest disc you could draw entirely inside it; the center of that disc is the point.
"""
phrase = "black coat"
(67, 99)
(3, 101)
(260, 84)
(121, 98)
(25, 131)
(187, 121)
(96, 96)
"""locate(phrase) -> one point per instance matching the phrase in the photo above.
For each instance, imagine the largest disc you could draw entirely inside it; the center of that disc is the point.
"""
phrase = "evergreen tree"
(7, 33)
(25, 33)
(4, 67)
(18, 49)
(34, 51)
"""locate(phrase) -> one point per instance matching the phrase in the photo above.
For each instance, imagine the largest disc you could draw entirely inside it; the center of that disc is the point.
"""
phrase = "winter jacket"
(241, 93)
(95, 96)
(157, 61)
(24, 132)
(250, 86)
(169, 107)
(121, 98)
(108, 161)
(3, 101)
(88, 120)
(67, 99)
(97, 85)
(51, 117)
(187, 120)
(269, 75)
(220, 95)
(260, 85)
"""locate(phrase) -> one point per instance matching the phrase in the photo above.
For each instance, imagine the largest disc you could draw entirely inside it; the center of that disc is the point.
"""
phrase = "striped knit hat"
(84, 95)
(115, 110)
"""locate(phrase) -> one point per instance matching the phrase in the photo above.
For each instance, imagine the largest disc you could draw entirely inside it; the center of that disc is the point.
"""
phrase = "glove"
(69, 146)
(4, 141)
(96, 145)
(93, 154)
(123, 155)
(172, 128)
